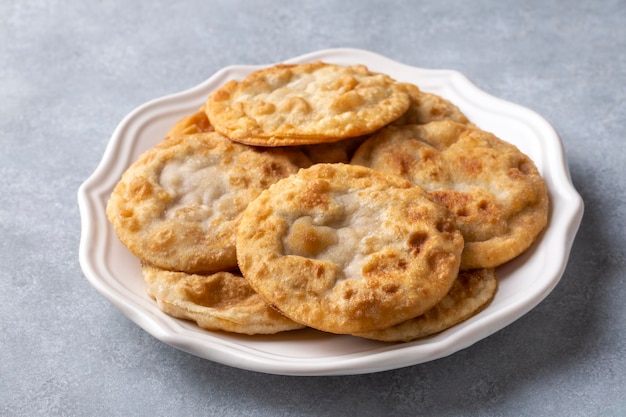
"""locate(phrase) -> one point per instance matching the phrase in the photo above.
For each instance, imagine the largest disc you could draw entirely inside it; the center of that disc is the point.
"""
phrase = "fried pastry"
(305, 103)
(496, 191)
(220, 301)
(177, 207)
(189, 125)
(428, 107)
(346, 249)
(333, 152)
(472, 291)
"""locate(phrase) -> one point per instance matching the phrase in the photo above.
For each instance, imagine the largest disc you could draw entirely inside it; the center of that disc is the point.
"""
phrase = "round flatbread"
(305, 103)
(428, 107)
(345, 249)
(472, 291)
(189, 125)
(496, 192)
(177, 207)
(220, 301)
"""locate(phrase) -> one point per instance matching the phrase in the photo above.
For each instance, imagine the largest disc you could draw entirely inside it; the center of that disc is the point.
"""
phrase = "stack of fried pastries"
(331, 197)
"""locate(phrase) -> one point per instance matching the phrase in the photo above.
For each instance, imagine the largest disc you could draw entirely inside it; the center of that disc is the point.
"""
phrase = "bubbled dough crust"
(345, 249)
(305, 103)
(177, 207)
(424, 108)
(220, 301)
(495, 190)
(197, 122)
(471, 292)
(428, 107)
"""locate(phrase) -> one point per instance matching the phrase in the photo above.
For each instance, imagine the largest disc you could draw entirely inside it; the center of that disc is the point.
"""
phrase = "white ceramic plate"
(524, 282)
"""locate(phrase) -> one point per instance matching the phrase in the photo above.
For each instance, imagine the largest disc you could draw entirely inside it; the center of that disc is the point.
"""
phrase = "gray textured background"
(70, 71)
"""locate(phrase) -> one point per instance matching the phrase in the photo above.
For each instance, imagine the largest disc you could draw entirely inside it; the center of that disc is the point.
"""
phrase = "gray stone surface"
(70, 71)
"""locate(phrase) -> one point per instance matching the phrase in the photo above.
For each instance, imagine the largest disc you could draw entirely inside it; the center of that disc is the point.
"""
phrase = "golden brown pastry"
(177, 207)
(345, 249)
(305, 103)
(189, 125)
(496, 192)
(220, 301)
(472, 291)
(428, 107)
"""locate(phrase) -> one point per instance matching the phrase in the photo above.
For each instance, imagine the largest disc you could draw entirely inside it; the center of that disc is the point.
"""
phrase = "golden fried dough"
(346, 249)
(189, 125)
(496, 192)
(333, 152)
(177, 207)
(305, 103)
(428, 107)
(472, 291)
(219, 301)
